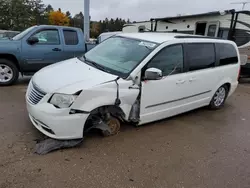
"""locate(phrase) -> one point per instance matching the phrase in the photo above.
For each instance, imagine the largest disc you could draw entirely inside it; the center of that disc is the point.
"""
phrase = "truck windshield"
(119, 55)
(22, 34)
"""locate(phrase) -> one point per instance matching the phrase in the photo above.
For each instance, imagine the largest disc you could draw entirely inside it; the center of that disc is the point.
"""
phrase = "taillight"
(239, 73)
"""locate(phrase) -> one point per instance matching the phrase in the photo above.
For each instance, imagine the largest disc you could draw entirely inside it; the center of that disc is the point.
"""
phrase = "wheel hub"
(6, 73)
(220, 96)
(114, 125)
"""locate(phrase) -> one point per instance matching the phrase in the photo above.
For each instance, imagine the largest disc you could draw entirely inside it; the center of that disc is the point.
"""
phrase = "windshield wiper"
(96, 65)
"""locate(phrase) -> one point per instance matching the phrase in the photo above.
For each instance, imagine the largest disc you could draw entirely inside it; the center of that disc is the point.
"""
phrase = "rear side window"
(226, 53)
(70, 37)
(200, 56)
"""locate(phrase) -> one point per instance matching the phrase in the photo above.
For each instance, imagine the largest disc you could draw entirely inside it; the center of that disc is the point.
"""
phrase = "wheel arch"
(227, 81)
(228, 86)
(113, 110)
(12, 58)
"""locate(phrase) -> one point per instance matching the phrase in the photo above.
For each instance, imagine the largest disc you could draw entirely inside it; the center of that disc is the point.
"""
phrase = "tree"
(68, 14)
(45, 17)
(95, 29)
(58, 18)
(21, 14)
(78, 20)
(37, 11)
(4, 14)
(49, 8)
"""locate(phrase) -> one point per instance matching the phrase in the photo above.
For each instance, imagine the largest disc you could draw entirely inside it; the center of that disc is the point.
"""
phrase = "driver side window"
(169, 60)
(50, 36)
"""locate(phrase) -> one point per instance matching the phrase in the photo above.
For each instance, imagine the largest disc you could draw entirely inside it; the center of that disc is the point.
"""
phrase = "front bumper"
(56, 123)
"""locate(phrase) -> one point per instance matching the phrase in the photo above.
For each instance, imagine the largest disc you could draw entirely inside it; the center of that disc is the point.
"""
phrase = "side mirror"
(153, 74)
(33, 40)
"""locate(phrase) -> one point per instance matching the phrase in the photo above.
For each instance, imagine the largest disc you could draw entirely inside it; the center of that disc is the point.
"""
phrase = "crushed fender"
(48, 145)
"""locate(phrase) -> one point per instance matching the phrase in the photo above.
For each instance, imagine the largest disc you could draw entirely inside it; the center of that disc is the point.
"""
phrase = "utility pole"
(86, 20)
(243, 3)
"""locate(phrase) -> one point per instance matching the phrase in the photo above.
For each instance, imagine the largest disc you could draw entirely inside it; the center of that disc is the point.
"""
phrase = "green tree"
(38, 12)
(78, 20)
(49, 8)
(21, 14)
(68, 14)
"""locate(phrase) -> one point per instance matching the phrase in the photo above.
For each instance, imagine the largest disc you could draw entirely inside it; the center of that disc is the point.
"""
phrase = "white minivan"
(135, 78)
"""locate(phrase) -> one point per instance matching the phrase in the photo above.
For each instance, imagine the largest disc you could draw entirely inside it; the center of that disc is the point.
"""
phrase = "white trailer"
(229, 24)
(137, 27)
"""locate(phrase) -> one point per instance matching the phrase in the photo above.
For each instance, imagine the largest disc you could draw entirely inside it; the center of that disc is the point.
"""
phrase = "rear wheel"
(219, 98)
(8, 72)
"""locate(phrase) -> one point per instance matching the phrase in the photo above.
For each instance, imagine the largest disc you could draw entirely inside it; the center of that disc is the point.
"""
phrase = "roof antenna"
(243, 3)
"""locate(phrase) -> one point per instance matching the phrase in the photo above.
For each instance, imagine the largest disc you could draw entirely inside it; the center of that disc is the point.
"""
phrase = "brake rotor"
(114, 125)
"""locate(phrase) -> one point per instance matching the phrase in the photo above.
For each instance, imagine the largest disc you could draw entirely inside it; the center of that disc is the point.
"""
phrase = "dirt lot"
(199, 149)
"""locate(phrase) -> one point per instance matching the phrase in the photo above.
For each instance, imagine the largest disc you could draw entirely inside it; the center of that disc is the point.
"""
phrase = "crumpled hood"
(67, 73)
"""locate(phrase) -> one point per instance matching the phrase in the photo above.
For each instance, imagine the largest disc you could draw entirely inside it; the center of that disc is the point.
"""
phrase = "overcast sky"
(140, 10)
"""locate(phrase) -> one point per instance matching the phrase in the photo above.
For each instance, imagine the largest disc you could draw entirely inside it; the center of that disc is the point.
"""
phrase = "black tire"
(219, 98)
(14, 70)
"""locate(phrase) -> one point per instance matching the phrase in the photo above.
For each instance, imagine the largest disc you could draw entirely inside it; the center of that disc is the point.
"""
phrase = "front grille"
(35, 94)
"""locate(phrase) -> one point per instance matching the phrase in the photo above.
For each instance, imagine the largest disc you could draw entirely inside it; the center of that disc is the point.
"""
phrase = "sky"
(141, 10)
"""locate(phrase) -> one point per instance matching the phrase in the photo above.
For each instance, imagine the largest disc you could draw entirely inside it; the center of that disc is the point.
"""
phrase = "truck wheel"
(8, 72)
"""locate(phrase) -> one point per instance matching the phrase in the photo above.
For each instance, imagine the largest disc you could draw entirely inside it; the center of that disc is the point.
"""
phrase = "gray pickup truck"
(37, 47)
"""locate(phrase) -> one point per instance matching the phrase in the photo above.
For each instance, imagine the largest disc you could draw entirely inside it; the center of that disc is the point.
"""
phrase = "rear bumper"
(233, 88)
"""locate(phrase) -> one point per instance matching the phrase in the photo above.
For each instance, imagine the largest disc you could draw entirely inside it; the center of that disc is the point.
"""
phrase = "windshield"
(22, 34)
(119, 55)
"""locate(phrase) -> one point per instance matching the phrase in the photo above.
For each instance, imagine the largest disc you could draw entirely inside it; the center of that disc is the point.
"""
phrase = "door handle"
(180, 81)
(192, 79)
(133, 87)
(57, 49)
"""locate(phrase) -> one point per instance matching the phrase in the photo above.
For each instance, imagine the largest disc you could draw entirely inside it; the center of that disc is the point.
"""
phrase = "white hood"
(69, 72)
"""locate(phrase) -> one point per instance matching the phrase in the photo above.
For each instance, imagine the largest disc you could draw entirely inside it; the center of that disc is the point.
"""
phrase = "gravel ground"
(201, 148)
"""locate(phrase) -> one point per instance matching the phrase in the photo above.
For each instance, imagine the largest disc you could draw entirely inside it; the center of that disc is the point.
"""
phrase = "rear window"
(226, 53)
(200, 56)
(70, 37)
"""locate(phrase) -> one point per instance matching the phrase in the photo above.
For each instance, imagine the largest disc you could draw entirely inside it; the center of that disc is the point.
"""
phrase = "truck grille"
(35, 94)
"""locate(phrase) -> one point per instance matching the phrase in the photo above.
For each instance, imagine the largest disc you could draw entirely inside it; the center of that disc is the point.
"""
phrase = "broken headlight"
(62, 100)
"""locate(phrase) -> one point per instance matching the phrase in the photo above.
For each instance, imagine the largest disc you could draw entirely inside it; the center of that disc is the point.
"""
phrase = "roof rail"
(201, 37)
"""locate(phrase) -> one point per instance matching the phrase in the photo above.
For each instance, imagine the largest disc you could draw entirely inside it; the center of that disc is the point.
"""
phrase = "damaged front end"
(107, 118)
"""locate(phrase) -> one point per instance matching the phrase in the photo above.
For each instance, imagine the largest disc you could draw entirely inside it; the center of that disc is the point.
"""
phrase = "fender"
(106, 95)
